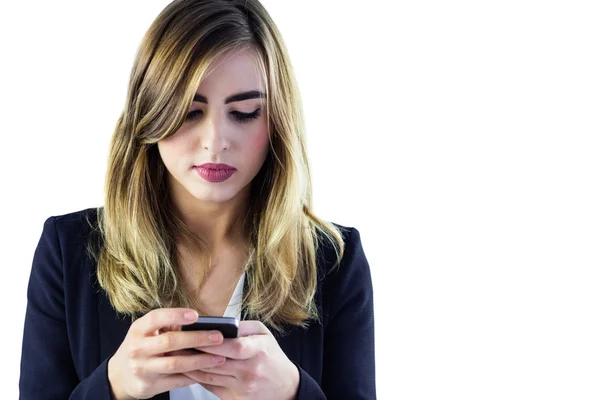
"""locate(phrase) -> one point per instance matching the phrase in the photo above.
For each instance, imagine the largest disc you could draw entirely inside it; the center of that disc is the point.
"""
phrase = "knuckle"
(252, 374)
(209, 378)
(259, 371)
(205, 360)
(261, 354)
(172, 365)
(252, 386)
(203, 377)
(200, 338)
(166, 340)
(133, 351)
(137, 369)
(239, 348)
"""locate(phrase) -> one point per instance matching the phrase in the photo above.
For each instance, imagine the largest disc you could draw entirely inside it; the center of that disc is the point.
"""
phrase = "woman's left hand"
(255, 367)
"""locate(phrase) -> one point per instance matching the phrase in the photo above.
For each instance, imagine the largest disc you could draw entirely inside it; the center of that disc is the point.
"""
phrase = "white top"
(195, 391)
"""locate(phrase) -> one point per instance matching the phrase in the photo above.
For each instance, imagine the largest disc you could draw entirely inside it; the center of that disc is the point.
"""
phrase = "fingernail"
(218, 359)
(190, 315)
(214, 337)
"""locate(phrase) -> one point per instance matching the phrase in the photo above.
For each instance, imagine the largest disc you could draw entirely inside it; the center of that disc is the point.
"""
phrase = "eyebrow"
(251, 94)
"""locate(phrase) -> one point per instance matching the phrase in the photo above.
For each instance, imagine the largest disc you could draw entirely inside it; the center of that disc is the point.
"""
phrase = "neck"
(218, 223)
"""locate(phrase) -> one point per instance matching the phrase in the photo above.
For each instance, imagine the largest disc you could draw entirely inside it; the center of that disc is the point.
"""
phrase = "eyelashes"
(237, 115)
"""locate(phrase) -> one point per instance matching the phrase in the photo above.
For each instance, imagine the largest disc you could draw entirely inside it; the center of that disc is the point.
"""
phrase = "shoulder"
(68, 235)
(353, 271)
(347, 285)
(352, 255)
(58, 263)
(351, 236)
(75, 220)
(74, 226)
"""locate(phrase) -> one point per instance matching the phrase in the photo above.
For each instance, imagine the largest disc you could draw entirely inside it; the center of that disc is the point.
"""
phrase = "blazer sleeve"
(349, 343)
(47, 367)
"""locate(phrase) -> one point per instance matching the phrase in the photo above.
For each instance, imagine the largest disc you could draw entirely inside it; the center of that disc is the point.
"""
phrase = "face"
(221, 130)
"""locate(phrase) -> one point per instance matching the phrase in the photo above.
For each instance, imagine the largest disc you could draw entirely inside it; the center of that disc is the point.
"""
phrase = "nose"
(214, 136)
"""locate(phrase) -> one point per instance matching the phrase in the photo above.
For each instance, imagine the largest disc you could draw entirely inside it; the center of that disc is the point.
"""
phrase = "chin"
(215, 194)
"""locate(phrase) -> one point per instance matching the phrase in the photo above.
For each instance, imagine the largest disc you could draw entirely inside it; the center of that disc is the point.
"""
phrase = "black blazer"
(71, 329)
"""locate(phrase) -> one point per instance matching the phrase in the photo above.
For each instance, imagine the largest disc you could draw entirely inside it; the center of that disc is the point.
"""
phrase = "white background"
(460, 138)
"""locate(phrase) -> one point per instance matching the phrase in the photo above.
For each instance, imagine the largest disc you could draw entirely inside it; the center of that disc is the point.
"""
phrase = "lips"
(215, 166)
(215, 172)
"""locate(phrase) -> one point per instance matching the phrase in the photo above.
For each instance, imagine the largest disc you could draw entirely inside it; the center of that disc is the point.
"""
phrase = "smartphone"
(228, 326)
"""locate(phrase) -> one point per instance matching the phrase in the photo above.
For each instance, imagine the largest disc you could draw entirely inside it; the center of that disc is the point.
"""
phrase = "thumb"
(249, 328)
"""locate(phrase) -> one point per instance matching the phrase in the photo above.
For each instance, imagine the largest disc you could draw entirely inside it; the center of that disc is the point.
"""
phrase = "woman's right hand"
(153, 355)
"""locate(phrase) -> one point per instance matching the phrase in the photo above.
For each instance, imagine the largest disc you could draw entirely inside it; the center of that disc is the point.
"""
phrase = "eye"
(238, 116)
(246, 117)
(193, 115)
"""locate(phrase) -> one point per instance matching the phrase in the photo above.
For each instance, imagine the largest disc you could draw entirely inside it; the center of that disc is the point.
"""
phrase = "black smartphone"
(228, 326)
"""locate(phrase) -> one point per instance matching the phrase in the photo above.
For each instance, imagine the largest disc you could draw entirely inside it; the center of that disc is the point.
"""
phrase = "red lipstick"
(215, 172)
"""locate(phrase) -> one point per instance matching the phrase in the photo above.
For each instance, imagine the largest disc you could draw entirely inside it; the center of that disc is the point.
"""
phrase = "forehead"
(231, 72)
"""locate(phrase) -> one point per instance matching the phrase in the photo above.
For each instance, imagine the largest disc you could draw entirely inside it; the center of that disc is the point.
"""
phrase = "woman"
(207, 212)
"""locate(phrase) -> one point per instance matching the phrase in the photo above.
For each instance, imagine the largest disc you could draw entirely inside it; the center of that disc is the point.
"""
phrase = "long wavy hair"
(137, 264)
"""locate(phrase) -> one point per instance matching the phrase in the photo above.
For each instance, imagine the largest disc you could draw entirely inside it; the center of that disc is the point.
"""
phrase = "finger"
(231, 367)
(180, 340)
(187, 352)
(164, 317)
(204, 377)
(180, 364)
(241, 348)
(248, 328)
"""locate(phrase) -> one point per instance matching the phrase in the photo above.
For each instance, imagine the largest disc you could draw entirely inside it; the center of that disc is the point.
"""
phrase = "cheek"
(170, 150)
(260, 143)
(164, 149)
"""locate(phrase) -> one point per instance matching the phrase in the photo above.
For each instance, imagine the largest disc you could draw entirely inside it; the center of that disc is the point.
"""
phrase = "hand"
(256, 367)
(152, 358)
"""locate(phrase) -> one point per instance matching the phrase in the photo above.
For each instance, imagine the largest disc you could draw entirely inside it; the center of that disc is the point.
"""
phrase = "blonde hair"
(137, 264)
